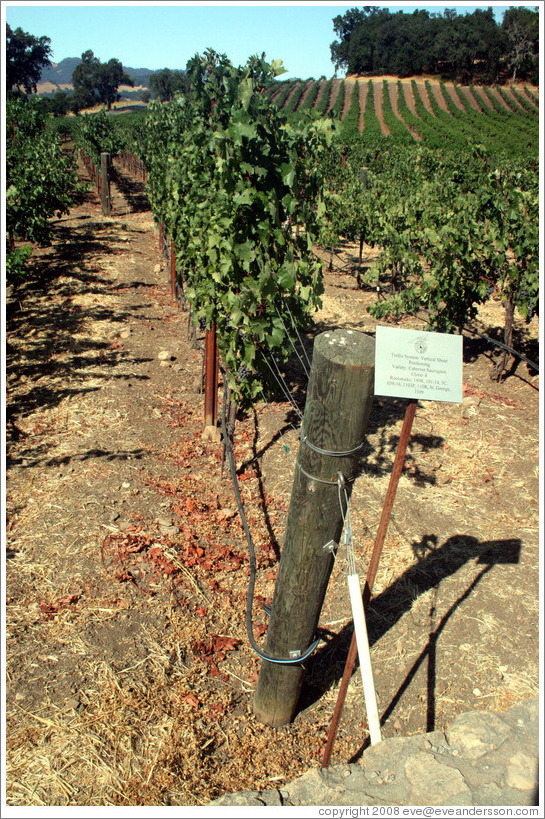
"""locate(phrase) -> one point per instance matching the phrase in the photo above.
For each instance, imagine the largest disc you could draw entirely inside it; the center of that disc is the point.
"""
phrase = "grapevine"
(239, 192)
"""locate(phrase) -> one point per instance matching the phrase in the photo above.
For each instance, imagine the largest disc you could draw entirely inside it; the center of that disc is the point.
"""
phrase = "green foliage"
(294, 100)
(322, 102)
(521, 27)
(512, 133)
(350, 123)
(98, 133)
(16, 259)
(166, 83)
(312, 95)
(26, 56)
(338, 105)
(95, 82)
(40, 179)
(238, 191)
(372, 132)
(63, 126)
(398, 131)
(374, 40)
(59, 104)
(452, 227)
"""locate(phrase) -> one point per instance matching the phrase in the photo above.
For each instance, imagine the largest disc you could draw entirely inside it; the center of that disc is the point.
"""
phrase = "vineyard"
(437, 114)
(131, 667)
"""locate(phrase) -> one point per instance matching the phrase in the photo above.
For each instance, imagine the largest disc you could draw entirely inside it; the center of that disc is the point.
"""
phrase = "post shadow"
(434, 565)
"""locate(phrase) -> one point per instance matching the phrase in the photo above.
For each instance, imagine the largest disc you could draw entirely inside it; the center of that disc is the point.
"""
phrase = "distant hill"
(58, 76)
(60, 73)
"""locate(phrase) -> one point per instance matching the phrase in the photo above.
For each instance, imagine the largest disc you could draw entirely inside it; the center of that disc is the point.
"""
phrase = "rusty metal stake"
(172, 272)
(211, 379)
(371, 573)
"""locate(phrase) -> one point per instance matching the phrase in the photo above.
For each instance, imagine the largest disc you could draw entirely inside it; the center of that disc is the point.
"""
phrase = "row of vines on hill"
(504, 122)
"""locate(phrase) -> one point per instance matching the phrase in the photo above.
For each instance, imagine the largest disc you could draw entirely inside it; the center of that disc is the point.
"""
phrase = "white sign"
(417, 364)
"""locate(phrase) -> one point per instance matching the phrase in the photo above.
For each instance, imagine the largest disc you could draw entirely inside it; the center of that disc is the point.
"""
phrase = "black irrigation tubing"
(251, 548)
(503, 347)
(165, 250)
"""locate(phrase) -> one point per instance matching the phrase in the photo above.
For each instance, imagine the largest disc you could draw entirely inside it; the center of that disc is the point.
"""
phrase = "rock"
(211, 433)
(434, 783)
(164, 355)
(125, 333)
(225, 514)
(405, 771)
(521, 772)
(169, 530)
(477, 733)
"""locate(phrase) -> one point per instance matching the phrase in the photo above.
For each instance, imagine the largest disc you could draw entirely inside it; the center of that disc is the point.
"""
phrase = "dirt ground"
(129, 673)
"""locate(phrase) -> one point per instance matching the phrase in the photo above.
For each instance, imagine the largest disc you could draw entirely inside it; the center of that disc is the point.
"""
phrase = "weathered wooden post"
(339, 400)
(105, 184)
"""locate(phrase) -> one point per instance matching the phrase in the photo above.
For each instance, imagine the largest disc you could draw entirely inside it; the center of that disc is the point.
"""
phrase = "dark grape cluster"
(243, 372)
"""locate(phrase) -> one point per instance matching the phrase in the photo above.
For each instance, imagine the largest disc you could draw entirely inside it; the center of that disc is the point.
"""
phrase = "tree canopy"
(95, 82)
(165, 83)
(461, 47)
(521, 25)
(26, 57)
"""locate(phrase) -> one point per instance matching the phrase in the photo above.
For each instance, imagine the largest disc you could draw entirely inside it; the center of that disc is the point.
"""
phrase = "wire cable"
(338, 454)
(283, 386)
(251, 549)
(294, 325)
(307, 373)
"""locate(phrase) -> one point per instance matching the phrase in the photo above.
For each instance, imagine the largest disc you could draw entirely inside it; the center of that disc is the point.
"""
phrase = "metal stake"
(371, 572)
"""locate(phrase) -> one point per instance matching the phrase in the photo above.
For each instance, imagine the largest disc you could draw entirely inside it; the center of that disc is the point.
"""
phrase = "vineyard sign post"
(407, 363)
(338, 404)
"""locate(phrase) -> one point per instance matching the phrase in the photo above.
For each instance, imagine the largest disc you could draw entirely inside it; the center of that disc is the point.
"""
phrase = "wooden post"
(210, 379)
(105, 184)
(339, 401)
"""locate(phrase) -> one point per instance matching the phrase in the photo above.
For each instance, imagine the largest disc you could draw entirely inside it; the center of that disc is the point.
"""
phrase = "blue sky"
(157, 35)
